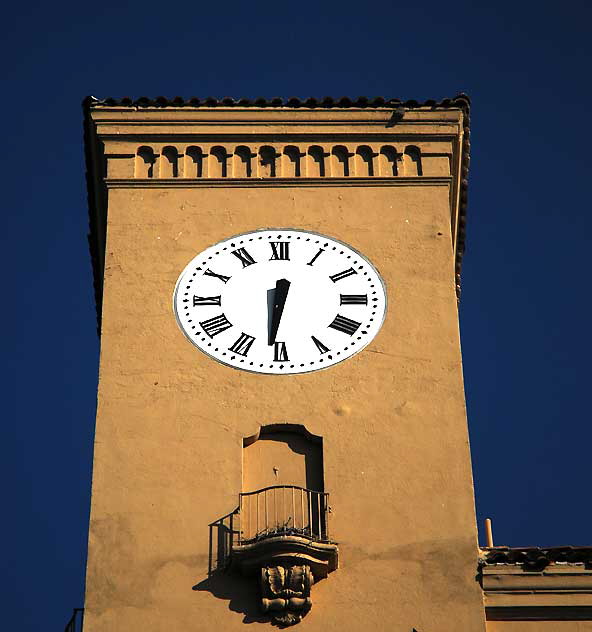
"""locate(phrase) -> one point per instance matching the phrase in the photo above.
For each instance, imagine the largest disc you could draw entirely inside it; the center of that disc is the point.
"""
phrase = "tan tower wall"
(171, 421)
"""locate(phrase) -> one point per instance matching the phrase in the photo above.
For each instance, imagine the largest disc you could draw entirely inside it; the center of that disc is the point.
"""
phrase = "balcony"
(283, 525)
(281, 534)
(283, 510)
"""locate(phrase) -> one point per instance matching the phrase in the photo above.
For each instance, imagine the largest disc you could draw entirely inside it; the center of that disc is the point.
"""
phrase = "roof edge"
(461, 100)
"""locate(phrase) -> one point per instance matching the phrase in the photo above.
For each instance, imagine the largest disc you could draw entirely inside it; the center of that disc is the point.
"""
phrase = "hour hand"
(279, 300)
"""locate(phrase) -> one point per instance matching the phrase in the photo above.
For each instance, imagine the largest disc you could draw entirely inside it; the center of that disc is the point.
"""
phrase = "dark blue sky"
(526, 307)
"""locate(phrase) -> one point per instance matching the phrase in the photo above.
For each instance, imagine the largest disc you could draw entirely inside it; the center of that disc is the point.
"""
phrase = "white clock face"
(280, 301)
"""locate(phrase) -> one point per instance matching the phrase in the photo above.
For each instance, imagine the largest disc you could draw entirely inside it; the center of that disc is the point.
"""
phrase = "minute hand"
(279, 300)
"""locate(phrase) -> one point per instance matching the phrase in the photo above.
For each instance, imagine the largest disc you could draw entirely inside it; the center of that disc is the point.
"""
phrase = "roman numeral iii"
(280, 251)
(242, 344)
(346, 325)
(280, 353)
(342, 275)
(222, 278)
(206, 300)
(216, 325)
(354, 299)
(244, 257)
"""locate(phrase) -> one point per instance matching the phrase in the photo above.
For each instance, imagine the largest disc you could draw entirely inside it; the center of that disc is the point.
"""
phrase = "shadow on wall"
(243, 595)
(222, 532)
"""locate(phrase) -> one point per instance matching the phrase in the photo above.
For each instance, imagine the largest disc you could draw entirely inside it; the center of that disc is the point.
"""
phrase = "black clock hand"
(279, 300)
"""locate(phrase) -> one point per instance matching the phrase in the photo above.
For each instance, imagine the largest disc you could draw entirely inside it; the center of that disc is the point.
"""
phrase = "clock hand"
(279, 300)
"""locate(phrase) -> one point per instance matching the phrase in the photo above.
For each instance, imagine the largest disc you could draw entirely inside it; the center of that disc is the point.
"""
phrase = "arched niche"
(169, 162)
(364, 161)
(283, 454)
(282, 525)
(412, 161)
(267, 158)
(339, 161)
(144, 163)
(316, 162)
(291, 162)
(242, 162)
(194, 162)
(218, 162)
(387, 161)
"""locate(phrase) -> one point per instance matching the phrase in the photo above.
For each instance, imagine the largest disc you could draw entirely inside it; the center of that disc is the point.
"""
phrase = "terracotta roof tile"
(534, 558)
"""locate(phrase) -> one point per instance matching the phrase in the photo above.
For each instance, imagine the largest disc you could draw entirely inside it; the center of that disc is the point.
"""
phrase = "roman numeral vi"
(280, 353)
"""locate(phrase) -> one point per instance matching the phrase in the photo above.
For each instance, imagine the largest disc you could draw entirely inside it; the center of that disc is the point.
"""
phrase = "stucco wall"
(171, 421)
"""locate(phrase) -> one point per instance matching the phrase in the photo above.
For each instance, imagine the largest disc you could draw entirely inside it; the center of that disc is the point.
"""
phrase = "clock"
(280, 301)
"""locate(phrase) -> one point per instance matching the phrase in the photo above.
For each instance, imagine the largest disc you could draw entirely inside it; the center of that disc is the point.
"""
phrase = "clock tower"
(281, 433)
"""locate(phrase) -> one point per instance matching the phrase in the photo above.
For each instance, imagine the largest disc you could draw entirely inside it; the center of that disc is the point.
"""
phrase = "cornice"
(182, 183)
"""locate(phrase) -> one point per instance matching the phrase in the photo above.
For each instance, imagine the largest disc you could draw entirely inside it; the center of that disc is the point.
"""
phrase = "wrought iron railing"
(76, 621)
(283, 510)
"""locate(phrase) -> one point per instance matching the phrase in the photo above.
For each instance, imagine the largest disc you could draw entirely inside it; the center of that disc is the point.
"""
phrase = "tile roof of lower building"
(535, 558)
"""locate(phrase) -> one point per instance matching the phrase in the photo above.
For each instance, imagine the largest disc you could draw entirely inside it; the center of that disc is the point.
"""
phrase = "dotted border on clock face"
(363, 265)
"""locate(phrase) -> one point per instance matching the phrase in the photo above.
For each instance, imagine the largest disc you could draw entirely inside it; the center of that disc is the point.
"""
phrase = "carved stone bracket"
(285, 592)
(287, 566)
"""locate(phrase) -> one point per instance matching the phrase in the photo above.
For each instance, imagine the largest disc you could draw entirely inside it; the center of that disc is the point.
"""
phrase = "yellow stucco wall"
(539, 626)
(171, 421)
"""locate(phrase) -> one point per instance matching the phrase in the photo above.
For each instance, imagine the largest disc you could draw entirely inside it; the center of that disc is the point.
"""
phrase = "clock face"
(280, 301)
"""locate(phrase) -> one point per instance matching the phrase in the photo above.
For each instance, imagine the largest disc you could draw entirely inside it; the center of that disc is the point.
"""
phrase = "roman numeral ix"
(354, 299)
(280, 250)
(244, 257)
(206, 300)
(342, 275)
(346, 325)
(242, 344)
(216, 325)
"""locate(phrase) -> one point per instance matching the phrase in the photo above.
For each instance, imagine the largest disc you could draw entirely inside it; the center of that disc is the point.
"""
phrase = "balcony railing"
(283, 510)
(76, 621)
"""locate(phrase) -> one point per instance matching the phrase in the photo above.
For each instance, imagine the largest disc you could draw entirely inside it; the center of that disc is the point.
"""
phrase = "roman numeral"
(222, 278)
(346, 325)
(216, 325)
(321, 250)
(320, 346)
(206, 300)
(280, 353)
(342, 275)
(280, 250)
(244, 256)
(354, 299)
(242, 344)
